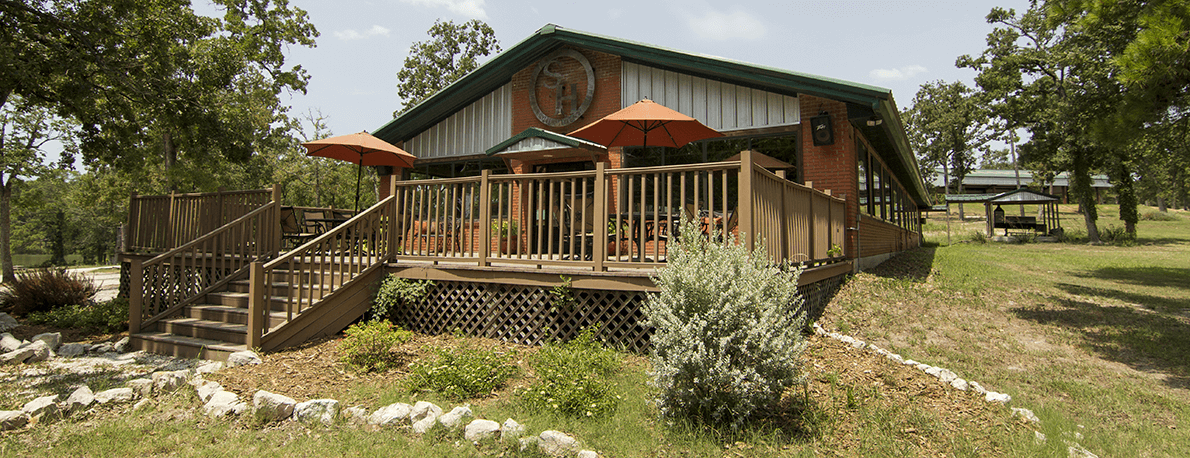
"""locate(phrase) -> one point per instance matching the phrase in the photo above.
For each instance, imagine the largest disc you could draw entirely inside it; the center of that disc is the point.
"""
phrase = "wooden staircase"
(213, 328)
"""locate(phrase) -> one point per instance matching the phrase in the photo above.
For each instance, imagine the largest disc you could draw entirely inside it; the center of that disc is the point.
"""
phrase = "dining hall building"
(503, 208)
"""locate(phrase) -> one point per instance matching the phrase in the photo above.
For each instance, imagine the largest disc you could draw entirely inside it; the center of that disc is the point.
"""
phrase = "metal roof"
(998, 177)
(1016, 196)
(548, 140)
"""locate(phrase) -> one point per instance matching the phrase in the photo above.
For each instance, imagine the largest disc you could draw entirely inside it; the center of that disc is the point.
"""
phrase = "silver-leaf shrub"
(727, 340)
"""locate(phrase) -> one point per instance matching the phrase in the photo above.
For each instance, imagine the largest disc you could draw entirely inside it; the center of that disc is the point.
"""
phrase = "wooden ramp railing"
(161, 223)
(164, 284)
(336, 265)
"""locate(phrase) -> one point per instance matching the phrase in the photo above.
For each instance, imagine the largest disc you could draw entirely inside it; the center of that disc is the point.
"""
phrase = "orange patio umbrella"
(362, 149)
(645, 123)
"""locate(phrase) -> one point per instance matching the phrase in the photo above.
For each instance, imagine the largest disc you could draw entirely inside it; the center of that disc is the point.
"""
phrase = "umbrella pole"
(359, 173)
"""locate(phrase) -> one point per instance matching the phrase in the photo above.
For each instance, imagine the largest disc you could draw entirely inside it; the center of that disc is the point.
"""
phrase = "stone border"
(948, 377)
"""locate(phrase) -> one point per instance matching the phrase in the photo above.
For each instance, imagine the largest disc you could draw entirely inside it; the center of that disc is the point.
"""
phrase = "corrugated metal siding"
(721, 106)
(469, 131)
(534, 144)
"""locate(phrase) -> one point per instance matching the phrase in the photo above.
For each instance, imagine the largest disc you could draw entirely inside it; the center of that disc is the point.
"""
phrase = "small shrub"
(108, 316)
(728, 339)
(573, 378)
(562, 296)
(1117, 236)
(1159, 216)
(395, 292)
(1074, 236)
(977, 237)
(463, 373)
(369, 346)
(43, 290)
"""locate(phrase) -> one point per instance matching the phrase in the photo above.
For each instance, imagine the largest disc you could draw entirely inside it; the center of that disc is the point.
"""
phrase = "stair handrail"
(201, 266)
(352, 249)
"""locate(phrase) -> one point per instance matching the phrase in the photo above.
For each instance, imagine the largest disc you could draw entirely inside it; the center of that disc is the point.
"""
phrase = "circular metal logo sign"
(557, 77)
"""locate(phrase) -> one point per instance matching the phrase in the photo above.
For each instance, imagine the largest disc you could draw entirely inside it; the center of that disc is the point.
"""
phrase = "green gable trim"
(534, 132)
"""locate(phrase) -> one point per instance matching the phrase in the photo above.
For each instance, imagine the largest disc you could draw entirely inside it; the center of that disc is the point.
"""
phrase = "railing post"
(136, 294)
(392, 219)
(171, 238)
(485, 218)
(813, 242)
(744, 206)
(258, 304)
(133, 211)
(275, 221)
(599, 247)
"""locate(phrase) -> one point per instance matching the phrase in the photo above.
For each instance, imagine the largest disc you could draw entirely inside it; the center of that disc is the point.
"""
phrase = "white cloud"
(351, 34)
(716, 25)
(898, 74)
(469, 8)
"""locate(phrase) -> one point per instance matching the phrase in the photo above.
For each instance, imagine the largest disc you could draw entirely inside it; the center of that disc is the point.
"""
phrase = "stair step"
(204, 329)
(240, 300)
(183, 346)
(228, 314)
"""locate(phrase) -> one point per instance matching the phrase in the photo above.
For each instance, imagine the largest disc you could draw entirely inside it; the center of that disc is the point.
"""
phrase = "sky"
(895, 44)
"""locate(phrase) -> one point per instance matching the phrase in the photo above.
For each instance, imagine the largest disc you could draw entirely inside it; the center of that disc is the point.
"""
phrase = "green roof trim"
(534, 132)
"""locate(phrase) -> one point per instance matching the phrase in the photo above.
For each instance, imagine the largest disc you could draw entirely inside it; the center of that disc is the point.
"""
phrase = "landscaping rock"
(101, 348)
(45, 406)
(223, 403)
(17, 356)
(527, 442)
(557, 443)
(480, 429)
(1025, 414)
(7, 322)
(992, 396)
(909, 362)
(322, 410)
(1077, 451)
(511, 429)
(121, 346)
(356, 415)
(588, 454)
(167, 381)
(424, 425)
(41, 351)
(946, 376)
(977, 388)
(208, 389)
(243, 358)
(272, 407)
(114, 395)
(71, 350)
(140, 404)
(959, 384)
(455, 417)
(52, 339)
(13, 419)
(80, 399)
(209, 367)
(9, 343)
(423, 409)
(390, 414)
(143, 387)
(1039, 438)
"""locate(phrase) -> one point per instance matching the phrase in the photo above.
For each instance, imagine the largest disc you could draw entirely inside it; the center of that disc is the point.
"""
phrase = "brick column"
(832, 166)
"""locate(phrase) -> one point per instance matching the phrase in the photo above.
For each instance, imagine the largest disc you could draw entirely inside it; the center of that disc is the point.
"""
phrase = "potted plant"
(505, 231)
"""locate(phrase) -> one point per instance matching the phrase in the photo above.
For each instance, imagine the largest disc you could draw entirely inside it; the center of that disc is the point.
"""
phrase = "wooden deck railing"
(166, 283)
(315, 271)
(620, 218)
(161, 223)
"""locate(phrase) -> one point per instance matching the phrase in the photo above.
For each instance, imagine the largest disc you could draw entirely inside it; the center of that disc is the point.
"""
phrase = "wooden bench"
(1019, 223)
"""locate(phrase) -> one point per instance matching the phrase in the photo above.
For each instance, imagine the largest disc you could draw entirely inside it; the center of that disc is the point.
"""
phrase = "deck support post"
(485, 218)
(257, 304)
(744, 206)
(599, 247)
(136, 294)
(274, 233)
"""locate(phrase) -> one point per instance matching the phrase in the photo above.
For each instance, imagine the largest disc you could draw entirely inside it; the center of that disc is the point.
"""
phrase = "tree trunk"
(1080, 184)
(1126, 196)
(170, 153)
(1161, 204)
(6, 231)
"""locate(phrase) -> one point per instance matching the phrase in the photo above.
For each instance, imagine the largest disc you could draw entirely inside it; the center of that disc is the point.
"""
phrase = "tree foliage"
(453, 51)
(948, 125)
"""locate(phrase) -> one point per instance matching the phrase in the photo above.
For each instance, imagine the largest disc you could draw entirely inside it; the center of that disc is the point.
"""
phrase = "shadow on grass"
(1147, 341)
(1144, 276)
(913, 265)
(1161, 241)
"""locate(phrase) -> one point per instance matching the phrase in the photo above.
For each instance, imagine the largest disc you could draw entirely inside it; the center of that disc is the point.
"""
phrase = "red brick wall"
(832, 166)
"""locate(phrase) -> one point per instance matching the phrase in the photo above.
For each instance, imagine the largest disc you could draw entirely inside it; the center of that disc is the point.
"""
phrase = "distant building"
(990, 181)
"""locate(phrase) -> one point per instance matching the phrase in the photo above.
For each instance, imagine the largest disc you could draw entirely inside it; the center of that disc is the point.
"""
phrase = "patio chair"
(291, 231)
(313, 221)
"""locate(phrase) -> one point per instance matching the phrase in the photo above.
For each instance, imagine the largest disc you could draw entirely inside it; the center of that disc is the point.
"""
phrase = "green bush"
(573, 378)
(1117, 236)
(108, 316)
(1159, 216)
(43, 290)
(728, 337)
(395, 292)
(369, 346)
(977, 237)
(462, 373)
